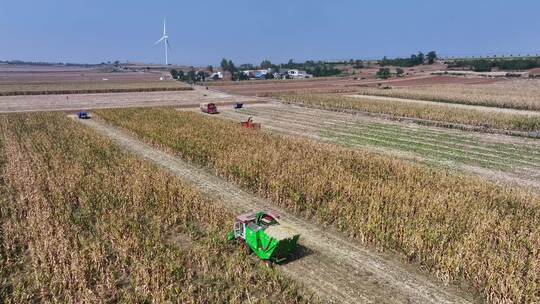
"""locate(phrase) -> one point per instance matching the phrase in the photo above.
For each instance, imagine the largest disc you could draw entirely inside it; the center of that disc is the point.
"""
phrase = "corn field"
(440, 113)
(461, 228)
(82, 222)
(516, 94)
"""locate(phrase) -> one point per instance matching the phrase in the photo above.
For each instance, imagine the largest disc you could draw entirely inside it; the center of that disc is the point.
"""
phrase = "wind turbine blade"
(161, 39)
(164, 28)
(168, 44)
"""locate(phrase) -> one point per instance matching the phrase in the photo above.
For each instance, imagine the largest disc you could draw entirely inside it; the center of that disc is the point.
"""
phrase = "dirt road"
(339, 270)
(75, 102)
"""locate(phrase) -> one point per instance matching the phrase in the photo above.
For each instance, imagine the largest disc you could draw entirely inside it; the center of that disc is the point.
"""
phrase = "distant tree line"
(236, 73)
(191, 76)
(384, 73)
(316, 68)
(413, 60)
(320, 68)
(486, 65)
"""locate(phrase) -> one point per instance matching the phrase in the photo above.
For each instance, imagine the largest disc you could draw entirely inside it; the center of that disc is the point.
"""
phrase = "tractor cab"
(254, 221)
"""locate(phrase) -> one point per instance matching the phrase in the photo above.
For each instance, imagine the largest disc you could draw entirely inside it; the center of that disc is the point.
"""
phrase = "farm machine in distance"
(249, 124)
(83, 115)
(209, 108)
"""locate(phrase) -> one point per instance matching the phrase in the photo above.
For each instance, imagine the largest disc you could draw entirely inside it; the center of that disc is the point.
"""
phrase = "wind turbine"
(165, 40)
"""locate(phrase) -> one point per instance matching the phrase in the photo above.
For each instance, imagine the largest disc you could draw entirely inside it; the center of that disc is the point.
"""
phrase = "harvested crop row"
(83, 222)
(517, 94)
(440, 113)
(90, 88)
(92, 91)
(460, 228)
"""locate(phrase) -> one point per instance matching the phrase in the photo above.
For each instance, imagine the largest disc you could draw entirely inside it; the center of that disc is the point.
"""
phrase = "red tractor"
(209, 108)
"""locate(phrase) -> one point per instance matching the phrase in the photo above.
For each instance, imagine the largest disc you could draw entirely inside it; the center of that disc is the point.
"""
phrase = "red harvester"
(249, 124)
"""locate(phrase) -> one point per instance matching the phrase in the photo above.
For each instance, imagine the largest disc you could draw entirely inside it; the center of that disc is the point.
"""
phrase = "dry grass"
(516, 94)
(82, 222)
(460, 228)
(439, 113)
(90, 87)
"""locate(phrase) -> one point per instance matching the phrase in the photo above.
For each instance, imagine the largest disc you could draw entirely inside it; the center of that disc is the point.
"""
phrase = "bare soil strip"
(336, 268)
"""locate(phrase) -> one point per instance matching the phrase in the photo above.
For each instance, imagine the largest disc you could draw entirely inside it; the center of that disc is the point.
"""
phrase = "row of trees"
(191, 76)
(414, 60)
(486, 65)
(384, 73)
(318, 68)
(236, 73)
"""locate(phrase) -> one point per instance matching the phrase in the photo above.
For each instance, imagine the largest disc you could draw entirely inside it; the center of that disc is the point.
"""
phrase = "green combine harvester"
(263, 234)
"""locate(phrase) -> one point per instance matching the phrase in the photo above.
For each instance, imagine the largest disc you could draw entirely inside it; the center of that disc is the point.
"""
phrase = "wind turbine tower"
(165, 40)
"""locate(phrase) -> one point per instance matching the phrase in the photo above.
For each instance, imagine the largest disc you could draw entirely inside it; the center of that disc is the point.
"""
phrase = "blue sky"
(202, 32)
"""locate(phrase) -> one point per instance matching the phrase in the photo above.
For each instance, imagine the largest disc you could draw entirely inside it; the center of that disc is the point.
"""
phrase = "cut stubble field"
(458, 227)
(90, 87)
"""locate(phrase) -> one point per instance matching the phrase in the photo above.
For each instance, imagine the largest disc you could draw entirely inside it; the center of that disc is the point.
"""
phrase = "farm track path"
(77, 102)
(336, 268)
